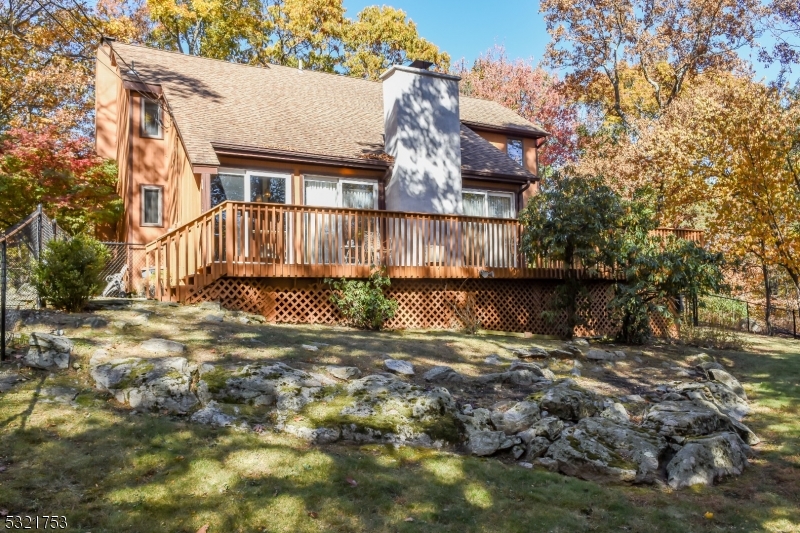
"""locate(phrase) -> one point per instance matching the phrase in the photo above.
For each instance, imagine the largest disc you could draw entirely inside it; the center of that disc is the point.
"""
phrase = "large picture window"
(151, 118)
(152, 205)
(330, 192)
(488, 204)
(245, 186)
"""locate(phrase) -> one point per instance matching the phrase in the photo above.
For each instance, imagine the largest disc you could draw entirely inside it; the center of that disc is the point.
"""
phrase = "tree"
(783, 25)
(730, 148)
(315, 33)
(220, 29)
(664, 42)
(658, 271)
(582, 223)
(535, 94)
(573, 221)
(59, 171)
(383, 36)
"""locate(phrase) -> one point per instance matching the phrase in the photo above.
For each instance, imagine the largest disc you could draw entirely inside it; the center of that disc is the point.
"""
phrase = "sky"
(467, 28)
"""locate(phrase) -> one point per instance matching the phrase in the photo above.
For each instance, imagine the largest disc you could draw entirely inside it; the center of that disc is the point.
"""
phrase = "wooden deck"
(237, 239)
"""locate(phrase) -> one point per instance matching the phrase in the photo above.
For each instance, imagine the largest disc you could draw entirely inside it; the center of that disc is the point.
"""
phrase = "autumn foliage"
(533, 92)
(61, 172)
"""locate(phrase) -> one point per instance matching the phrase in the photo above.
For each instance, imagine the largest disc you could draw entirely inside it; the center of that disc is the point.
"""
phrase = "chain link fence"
(21, 247)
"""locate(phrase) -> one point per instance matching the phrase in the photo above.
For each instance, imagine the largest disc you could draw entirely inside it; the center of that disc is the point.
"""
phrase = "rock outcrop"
(48, 351)
(690, 433)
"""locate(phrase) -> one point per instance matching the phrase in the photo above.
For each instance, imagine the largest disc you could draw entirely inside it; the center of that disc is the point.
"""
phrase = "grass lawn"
(107, 470)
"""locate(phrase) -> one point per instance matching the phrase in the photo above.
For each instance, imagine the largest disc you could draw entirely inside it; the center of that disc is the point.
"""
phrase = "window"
(244, 186)
(152, 203)
(151, 118)
(514, 150)
(488, 204)
(326, 192)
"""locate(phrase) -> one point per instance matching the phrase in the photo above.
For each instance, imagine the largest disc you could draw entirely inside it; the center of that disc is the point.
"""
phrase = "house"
(251, 184)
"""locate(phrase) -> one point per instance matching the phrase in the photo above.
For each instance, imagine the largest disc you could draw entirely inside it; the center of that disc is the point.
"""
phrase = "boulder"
(211, 415)
(314, 435)
(694, 418)
(163, 346)
(518, 417)
(443, 374)
(562, 354)
(60, 394)
(343, 372)
(570, 402)
(705, 367)
(8, 380)
(162, 384)
(536, 448)
(729, 381)
(707, 460)
(601, 449)
(403, 368)
(535, 369)
(520, 377)
(616, 412)
(549, 427)
(47, 351)
(720, 395)
(533, 352)
(596, 354)
(483, 443)
(273, 384)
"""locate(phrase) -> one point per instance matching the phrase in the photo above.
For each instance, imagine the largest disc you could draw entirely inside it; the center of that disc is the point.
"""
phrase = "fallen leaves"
(352, 482)
(203, 529)
(313, 514)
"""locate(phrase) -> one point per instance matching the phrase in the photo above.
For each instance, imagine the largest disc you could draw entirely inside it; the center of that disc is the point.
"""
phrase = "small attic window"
(151, 118)
(514, 150)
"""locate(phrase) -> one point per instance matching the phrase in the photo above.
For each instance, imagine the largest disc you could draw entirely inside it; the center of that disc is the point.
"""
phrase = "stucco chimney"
(423, 133)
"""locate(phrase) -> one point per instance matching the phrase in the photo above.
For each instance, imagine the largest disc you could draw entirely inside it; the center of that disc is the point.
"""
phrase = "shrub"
(363, 303)
(70, 272)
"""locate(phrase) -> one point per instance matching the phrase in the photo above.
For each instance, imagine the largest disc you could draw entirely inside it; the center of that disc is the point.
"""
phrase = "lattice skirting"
(502, 305)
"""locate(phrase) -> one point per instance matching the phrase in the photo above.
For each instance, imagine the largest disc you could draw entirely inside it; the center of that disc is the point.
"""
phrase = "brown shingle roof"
(288, 109)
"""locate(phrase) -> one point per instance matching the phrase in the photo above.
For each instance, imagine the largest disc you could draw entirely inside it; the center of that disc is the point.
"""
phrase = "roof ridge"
(226, 62)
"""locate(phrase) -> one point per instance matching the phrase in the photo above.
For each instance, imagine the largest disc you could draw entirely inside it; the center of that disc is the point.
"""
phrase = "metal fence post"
(4, 257)
(39, 248)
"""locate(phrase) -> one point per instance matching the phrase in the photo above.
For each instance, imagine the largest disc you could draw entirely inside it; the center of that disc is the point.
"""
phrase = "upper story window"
(152, 205)
(514, 150)
(488, 204)
(247, 186)
(151, 118)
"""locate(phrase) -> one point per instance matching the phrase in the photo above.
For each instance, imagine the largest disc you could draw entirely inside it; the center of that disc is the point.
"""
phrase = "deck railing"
(241, 239)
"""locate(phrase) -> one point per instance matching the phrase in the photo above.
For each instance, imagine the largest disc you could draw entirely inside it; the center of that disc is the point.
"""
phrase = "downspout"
(522, 190)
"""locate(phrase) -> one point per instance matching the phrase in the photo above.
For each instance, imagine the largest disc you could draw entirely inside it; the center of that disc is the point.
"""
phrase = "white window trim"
(142, 132)
(486, 193)
(339, 182)
(261, 174)
(160, 190)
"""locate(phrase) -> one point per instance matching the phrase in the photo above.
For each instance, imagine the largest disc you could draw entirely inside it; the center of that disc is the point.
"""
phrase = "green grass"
(109, 471)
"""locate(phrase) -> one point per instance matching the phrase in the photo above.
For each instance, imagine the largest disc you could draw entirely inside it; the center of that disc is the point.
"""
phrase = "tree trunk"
(768, 297)
(572, 292)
